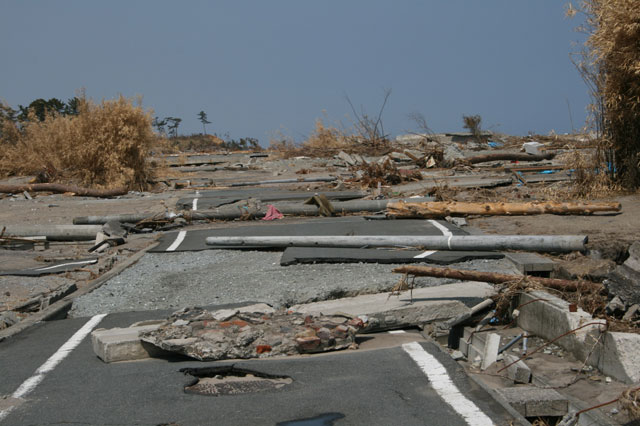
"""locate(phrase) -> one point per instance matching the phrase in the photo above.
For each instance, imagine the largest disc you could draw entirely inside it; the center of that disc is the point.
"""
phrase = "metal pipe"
(511, 343)
(545, 243)
(55, 232)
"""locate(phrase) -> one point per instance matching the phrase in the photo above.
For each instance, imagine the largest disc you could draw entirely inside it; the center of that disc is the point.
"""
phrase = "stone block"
(490, 351)
(122, 344)
(531, 263)
(519, 372)
(551, 317)
(619, 356)
(535, 402)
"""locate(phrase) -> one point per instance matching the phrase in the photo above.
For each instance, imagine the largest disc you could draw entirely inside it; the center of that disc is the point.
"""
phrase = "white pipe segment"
(545, 243)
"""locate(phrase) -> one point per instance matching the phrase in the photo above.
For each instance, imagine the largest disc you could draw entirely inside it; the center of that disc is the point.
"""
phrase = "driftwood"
(505, 156)
(59, 188)
(496, 278)
(431, 209)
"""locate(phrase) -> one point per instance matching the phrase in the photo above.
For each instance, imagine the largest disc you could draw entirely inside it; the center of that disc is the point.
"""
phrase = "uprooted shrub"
(105, 145)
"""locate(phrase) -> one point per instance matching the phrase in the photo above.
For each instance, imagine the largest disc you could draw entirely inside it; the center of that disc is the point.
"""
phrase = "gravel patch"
(177, 280)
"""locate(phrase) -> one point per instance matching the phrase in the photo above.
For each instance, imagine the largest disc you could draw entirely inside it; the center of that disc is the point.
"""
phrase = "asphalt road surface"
(50, 375)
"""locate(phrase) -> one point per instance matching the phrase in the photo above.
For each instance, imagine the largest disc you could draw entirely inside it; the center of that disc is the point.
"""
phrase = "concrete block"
(535, 402)
(122, 344)
(550, 318)
(533, 148)
(619, 356)
(519, 372)
(490, 351)
(531, 263)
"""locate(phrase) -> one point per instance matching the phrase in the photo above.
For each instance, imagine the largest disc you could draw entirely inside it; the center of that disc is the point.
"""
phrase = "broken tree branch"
(497, 278)
(60, 188)
(440, 209)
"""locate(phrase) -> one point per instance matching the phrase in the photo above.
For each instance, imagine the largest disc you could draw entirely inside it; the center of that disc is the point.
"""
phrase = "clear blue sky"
(259, 66)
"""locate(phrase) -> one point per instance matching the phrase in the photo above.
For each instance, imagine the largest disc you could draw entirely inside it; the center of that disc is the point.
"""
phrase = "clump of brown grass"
(104, 146)
(591, 174)
(610, 65)
(386, 173)
(325, 139)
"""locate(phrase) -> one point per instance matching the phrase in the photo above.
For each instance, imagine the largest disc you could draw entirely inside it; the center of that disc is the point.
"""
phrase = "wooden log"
(506, 156)
(496, 278)
(439, 209)
(60, 188)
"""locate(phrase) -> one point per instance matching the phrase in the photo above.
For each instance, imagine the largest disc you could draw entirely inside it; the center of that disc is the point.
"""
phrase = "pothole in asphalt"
(217, 381)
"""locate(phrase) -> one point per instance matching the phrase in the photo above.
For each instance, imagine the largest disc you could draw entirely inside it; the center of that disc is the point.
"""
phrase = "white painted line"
(445, 231)
(442, 384)
(178, 241)
(194, 207)
(424, 254)
(396, 331)
(32, 382)
(84, 262)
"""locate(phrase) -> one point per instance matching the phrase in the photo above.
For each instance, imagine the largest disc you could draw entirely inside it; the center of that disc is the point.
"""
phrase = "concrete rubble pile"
(231, 334)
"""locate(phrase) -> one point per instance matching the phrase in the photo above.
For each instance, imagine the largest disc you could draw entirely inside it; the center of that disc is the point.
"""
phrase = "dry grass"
(591, 175)
(104, 146)
(610, 65)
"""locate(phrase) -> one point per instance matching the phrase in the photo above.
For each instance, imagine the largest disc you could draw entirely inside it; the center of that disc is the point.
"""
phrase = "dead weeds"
(104, 146)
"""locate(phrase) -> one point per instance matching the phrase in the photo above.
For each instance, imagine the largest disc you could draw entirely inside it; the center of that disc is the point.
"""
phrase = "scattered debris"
(210, 336)
(63, 189)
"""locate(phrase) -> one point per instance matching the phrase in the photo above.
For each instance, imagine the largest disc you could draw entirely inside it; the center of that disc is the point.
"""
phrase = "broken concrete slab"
(194, 332)
(535, 402)
(304, 255)
(54, 268)
(624, 281)
(384, 312)
(518, 371)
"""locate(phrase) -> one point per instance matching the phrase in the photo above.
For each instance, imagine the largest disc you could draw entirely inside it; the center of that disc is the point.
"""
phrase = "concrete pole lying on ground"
(545, 243)
(54, 232)
(235, 211)
(436, 209)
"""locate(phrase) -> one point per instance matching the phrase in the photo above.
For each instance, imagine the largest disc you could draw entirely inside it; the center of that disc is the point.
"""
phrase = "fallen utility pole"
(496, 278)
(61, 189)
(544, 243)
(236, 211)
(439, 209)
(55, 232)
(268, 182)
(506, 156)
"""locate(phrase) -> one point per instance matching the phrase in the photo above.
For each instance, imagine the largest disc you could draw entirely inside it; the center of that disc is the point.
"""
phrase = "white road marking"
(194, 207)
(84, 262)
(424, 254)
(442, 384)
(445, 231)
(396, 331)
(178, 241)
(32, 382)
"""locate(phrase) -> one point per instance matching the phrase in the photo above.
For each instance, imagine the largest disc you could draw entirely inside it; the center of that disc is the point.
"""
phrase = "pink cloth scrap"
(272, 213)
